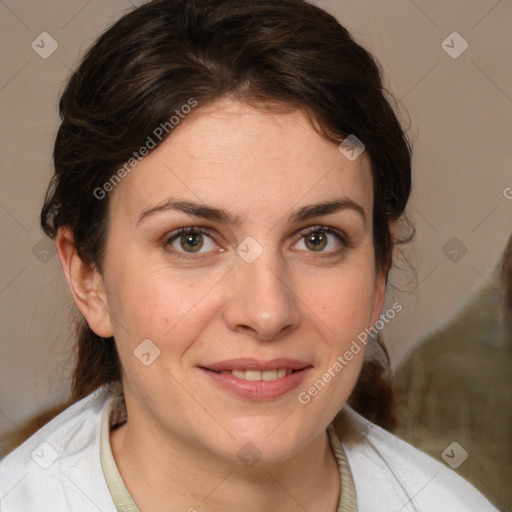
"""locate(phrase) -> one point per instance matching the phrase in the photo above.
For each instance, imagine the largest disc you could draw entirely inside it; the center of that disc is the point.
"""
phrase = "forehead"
(230, 153)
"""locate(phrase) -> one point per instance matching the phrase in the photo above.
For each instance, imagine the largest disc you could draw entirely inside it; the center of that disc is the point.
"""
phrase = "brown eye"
(192, 241)
(316, 241)
(323, 239)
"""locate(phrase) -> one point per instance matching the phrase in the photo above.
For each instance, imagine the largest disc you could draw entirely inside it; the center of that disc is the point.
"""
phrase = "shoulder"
(59, 465)
(390, 474)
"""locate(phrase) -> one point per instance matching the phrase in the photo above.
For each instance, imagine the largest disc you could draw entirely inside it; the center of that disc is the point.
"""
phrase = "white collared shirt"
(59, 468)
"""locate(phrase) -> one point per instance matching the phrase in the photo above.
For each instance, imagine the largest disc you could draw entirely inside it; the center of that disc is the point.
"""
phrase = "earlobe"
(85, 283)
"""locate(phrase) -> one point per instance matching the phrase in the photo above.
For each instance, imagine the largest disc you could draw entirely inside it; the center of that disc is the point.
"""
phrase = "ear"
(86, 285)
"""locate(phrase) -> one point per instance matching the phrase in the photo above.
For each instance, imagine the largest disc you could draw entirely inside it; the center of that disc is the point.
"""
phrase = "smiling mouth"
(253, 379)
(256, 375)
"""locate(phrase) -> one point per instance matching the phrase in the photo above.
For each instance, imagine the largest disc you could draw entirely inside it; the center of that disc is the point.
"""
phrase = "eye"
(191, 240)
(186, 242)
(322, 239)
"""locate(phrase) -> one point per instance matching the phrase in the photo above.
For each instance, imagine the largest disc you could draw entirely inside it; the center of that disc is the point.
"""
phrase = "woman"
(229, 185)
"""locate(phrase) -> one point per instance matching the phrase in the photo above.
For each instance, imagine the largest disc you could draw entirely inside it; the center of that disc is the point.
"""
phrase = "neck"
(164, 473)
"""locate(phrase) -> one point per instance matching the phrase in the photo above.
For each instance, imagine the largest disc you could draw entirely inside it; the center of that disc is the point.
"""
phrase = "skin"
(179, 447)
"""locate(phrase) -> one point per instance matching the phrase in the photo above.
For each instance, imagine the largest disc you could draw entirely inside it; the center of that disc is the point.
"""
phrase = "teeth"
(268, 374)
(254, 375)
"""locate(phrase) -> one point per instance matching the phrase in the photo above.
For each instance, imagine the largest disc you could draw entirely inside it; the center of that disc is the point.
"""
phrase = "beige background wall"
(460, 114)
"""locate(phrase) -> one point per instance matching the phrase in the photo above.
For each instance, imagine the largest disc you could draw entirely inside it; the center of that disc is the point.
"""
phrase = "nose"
(261, 301)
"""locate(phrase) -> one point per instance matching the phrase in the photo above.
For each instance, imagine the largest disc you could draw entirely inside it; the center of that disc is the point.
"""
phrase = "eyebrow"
(219, 215)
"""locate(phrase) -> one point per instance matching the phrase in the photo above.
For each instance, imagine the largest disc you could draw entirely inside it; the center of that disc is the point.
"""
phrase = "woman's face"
(246, 286)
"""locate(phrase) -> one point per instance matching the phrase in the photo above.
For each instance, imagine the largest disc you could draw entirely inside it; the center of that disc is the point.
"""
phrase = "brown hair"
(286, 53)
(506, 279)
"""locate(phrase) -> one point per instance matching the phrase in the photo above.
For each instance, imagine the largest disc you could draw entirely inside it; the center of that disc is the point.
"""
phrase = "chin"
(268, 440)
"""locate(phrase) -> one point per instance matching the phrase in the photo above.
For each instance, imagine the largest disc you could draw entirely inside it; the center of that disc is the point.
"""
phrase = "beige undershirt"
(115, 415)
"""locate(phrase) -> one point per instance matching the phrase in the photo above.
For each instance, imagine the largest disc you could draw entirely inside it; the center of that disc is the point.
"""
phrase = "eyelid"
(326, 229)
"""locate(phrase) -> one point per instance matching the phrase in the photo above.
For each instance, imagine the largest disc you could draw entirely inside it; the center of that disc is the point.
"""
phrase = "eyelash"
(342, 237)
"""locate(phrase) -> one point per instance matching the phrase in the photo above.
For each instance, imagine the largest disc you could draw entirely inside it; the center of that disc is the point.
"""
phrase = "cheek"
(340, 312)
(159, 305)
(343, 301)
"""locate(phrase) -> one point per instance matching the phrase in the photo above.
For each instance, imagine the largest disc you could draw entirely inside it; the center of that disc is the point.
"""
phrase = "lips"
(256, 364)
(255, 379)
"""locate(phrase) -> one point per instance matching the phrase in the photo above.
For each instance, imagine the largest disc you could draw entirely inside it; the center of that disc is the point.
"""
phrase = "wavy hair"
(279, 55)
